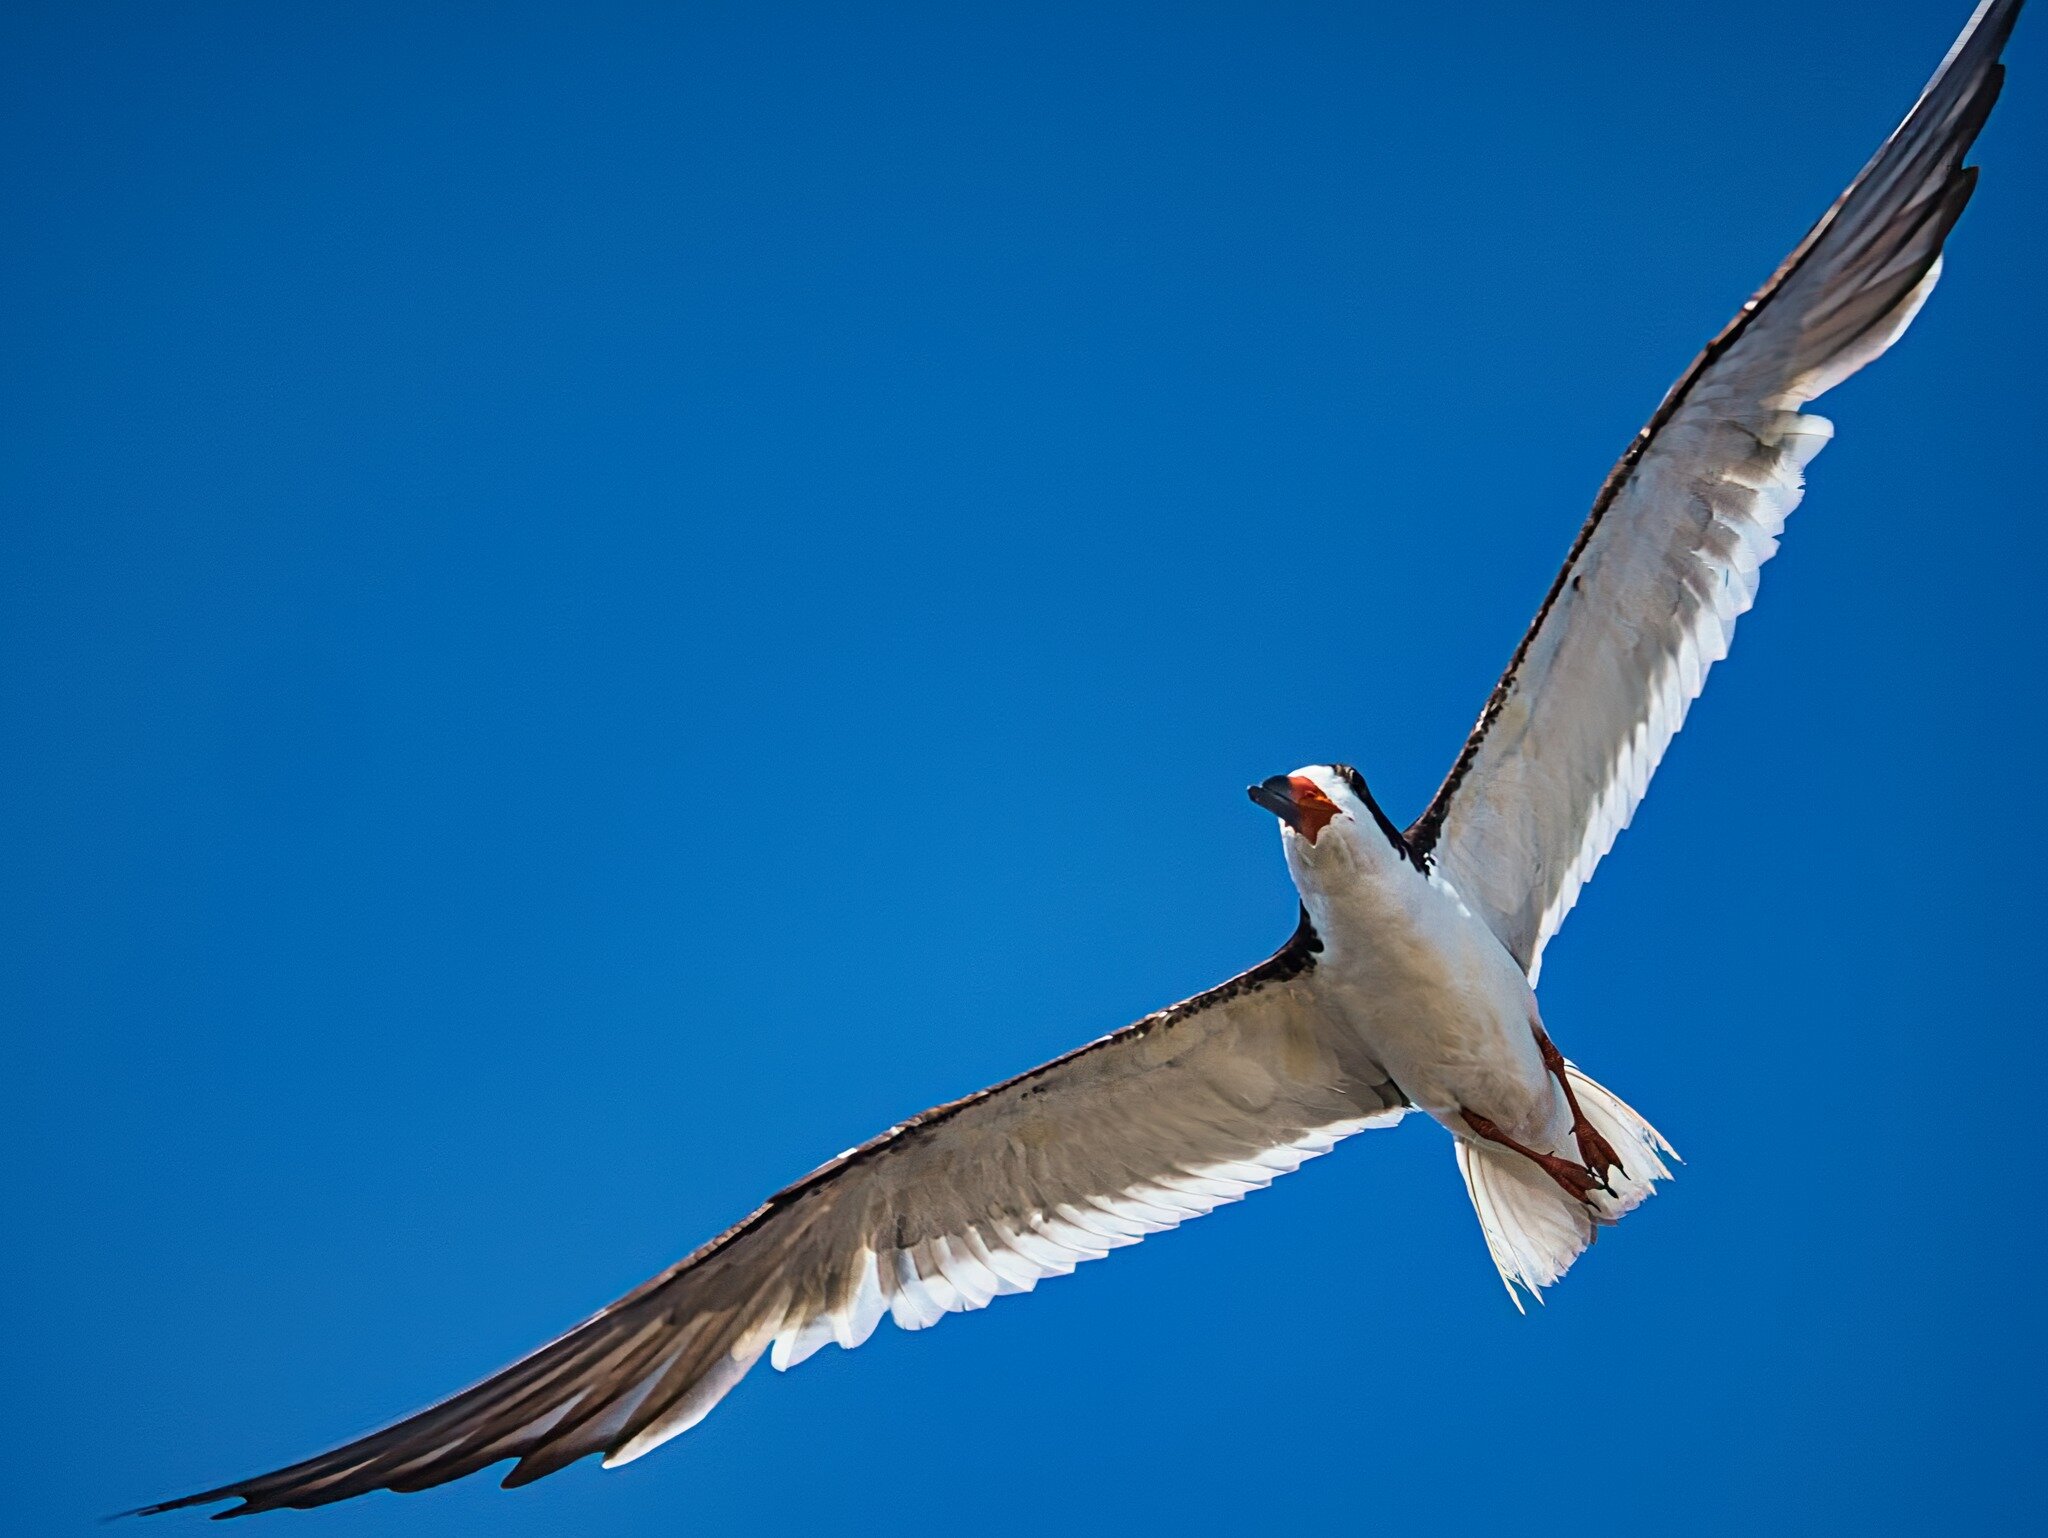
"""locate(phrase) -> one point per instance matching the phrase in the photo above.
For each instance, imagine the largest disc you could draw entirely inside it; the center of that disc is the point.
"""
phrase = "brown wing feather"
(1186, 1108)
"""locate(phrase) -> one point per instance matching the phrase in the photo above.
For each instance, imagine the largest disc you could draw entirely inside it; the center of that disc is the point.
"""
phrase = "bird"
(1408, 984)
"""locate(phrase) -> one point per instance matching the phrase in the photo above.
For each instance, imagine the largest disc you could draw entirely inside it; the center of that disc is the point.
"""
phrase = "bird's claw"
(1599, 1155)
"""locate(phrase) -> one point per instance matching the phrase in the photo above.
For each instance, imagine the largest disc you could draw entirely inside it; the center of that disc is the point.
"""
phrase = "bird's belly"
(1449, 1021)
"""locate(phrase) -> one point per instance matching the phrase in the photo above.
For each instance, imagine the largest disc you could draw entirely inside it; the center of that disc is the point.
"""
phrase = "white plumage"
(1407, 984)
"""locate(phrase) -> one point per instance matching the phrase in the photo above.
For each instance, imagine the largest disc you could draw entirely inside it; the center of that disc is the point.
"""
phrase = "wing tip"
(185, 1502)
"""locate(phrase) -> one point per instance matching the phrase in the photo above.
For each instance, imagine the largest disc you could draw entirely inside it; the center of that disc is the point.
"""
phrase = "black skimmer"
(1408, 981)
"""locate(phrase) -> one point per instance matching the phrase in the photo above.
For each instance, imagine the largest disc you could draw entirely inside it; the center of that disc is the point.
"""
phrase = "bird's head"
(1328, 816)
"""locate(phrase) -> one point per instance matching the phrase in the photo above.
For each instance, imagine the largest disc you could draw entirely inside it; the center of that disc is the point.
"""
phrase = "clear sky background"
(602, 601)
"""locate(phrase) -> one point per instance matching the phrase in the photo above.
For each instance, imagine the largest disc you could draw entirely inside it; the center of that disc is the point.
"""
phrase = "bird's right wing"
(1189, 1108)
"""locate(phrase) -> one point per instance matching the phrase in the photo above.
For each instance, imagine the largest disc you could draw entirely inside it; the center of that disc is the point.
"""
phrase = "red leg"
(1578, 1180)
(1598, 1153)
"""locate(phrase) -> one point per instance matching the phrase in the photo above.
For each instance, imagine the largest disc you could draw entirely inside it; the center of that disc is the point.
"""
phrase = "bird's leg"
(1578, 1180)
(1598, 1153)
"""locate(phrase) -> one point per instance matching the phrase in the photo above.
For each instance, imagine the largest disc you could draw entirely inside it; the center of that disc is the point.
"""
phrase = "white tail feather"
(1535, 1229)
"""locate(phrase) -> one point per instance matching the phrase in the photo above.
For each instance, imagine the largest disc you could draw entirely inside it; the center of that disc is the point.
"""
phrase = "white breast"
(1436, 997)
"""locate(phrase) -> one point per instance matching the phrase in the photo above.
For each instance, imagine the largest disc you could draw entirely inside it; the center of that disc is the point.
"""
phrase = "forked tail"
(1534, 1228)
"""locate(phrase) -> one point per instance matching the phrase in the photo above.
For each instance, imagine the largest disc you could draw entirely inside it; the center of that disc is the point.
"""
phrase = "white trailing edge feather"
(1188, 1110)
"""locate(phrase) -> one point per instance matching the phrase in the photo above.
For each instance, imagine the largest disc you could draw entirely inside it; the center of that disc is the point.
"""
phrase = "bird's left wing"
(1187, 1109)
(1648, 597)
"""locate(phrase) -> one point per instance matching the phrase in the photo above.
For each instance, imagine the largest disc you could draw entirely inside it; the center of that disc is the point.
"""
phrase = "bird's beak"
(1296, 801)
(1276, 795)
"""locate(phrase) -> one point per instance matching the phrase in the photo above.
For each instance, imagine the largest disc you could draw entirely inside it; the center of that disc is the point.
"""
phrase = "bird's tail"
(1534, 1228)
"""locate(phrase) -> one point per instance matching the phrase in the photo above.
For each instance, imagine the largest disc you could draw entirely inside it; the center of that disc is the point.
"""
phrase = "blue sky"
(601, 601)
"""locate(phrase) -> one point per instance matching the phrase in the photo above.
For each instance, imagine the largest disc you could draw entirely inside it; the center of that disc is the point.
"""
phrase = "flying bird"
(1408, 983)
